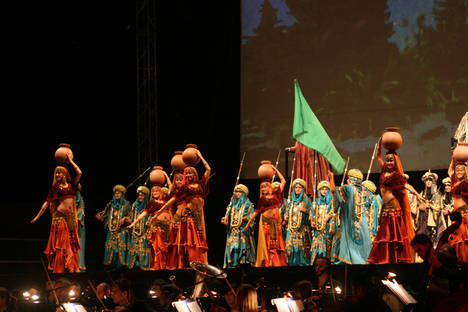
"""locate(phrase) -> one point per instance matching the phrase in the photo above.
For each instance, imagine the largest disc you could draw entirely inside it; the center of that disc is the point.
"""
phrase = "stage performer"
(174, 228)
(446, 202)
(323, 221)
(80, 214)
(240, 245)
(114, 217)
(298, 232)
(270, 245)
(189, 201)
(352, 243)
(159, 222)
(458, 173)
(372, 206)
(138, 253)
(429, 219)
(395, 232)
(63, 246)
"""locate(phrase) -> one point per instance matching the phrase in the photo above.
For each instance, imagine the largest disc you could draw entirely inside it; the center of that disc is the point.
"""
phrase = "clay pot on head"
(265, 171)
(177, 163)
(460, 153)
(190, 156)
(157, 176)
(62, 152)
(391, 139)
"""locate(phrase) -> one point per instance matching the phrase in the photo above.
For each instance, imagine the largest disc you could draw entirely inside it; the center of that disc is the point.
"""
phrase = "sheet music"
(400, 292)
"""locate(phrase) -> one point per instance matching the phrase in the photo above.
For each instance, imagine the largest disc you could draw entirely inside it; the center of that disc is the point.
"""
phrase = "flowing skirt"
(158, 239)
(391, 244)
(270, 250)
(459, 238)
(63, 248)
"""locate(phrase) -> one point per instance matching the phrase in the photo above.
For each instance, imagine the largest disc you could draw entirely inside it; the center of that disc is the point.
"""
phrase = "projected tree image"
(363, 66)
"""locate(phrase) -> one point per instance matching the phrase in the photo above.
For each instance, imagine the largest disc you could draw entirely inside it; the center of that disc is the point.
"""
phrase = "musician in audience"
(440, 269)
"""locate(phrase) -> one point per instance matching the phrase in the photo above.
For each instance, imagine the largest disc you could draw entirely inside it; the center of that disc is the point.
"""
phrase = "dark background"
(69, 75)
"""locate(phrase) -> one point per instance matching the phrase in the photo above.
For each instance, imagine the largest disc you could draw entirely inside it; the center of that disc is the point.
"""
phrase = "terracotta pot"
(61, 153)
(157, 176)
(177, 163)
(460, 153)
(190, 156)
(265, 171)
(391, 139)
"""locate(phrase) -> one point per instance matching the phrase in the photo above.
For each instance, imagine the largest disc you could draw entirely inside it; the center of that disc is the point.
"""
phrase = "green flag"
(308, 131)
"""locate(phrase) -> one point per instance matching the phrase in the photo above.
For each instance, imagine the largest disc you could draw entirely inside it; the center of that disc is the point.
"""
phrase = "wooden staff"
(276, 165)
(57, 302)
(290, 182)
(344, 172)
(138, 178)
(238, 176)
(371, 162)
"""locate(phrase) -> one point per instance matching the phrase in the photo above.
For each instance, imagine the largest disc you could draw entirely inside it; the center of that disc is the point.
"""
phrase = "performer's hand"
(131, 225)
(445, 212)
(34, 220)
(312, 224)
(223, 221)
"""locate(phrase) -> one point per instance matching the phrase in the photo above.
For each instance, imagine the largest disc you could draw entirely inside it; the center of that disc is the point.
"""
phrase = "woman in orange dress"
(63, 246)
(271, 250)
(395, 231)
(459, 179)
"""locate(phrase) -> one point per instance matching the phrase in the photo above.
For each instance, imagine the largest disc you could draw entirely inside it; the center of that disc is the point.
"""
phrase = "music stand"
(288, 304)
(399, 291)
(211, 271)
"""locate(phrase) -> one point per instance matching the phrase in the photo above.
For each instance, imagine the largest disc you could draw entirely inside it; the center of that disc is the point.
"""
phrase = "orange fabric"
(459, 238)
(159, 249)
(391, 245)
(62, 248)
(402, 197)
(271, 250)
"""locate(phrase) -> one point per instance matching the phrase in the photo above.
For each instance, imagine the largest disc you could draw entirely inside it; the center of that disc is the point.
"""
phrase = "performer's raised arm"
(78, 171)
(282, 179)
(207, 167)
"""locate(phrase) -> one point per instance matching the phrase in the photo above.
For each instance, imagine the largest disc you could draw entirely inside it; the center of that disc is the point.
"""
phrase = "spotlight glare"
(26, 294)
(338, 290)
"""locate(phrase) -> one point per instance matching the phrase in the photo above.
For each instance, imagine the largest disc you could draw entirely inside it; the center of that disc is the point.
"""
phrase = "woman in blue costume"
(138, 253)
(352, 243)
(372, 206)
(322, 221)
(240, 245)
(298, 232)
(114, 218)
(80, 214)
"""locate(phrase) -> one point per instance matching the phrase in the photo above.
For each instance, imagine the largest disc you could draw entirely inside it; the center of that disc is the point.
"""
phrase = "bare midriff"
(66, 205)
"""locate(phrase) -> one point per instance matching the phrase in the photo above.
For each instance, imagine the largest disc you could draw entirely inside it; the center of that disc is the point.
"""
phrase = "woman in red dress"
(271, 249)
(459, 178)
(395, 231)
(63, 246)
(189, 202)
